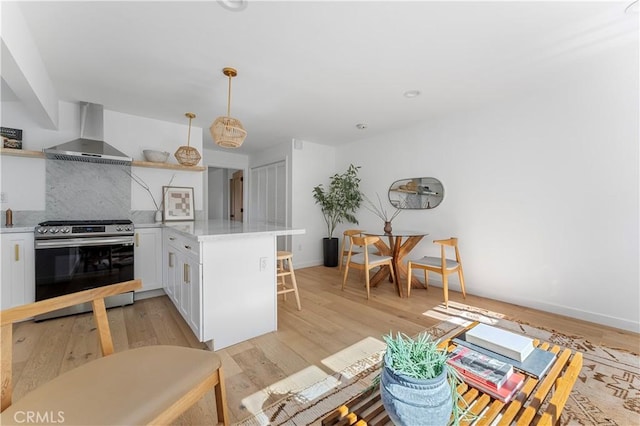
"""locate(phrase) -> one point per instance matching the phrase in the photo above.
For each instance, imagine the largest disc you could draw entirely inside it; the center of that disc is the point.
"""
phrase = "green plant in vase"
(417, 385)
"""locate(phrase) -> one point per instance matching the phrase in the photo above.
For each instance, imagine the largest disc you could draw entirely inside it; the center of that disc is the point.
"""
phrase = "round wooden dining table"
(400, 243)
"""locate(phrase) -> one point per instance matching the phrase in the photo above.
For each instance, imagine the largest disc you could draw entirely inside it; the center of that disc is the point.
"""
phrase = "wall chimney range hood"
(89, 147)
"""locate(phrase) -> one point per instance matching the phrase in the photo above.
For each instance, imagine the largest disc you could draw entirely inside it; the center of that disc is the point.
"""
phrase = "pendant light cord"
(189, 132)
(229, 99)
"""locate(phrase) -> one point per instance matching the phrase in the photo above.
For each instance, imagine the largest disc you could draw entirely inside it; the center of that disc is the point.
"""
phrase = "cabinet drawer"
(183, 244)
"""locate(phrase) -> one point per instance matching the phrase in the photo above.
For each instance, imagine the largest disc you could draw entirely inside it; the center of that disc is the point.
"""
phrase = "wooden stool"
(285, 267)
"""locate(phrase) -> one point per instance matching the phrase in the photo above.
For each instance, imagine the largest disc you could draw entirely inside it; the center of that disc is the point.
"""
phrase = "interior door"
(235, 191)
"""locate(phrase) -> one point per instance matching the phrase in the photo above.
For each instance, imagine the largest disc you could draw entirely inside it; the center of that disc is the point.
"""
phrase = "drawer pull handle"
(187, 247)
(171, 259)
(17, 252)
(172, 238)
(186, 273)
(137, 240)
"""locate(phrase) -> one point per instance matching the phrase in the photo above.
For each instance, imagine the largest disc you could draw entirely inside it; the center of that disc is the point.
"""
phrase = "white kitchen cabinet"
(224, 278)
(182, 277)
(18, 269)
(147, 264)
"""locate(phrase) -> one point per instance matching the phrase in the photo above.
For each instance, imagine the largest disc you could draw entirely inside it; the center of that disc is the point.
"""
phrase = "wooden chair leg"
(393, 276)
(461, 276)
(221, 399)
(408, 279)
(295, 286)
(366, 274)
(445, 289)
(426, 279)
(346, 274)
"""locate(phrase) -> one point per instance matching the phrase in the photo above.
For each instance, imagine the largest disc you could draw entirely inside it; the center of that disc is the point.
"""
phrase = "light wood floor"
(333, 329)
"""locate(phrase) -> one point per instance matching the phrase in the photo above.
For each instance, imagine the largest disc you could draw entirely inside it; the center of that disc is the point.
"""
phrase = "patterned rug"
(607, 391)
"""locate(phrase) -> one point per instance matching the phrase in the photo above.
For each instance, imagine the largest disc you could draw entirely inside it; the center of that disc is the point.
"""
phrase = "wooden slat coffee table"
(539, 402)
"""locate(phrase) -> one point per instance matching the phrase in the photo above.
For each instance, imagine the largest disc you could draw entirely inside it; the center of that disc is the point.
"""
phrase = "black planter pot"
(330, 251)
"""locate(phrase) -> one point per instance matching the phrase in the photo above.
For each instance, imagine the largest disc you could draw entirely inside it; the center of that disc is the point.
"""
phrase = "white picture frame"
(178, 203)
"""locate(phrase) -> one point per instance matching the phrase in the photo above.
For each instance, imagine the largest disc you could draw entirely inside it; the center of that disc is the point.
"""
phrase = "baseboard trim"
(569, 311)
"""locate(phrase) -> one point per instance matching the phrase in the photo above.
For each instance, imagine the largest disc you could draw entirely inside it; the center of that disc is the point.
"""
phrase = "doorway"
(220, 193)
(235, 196)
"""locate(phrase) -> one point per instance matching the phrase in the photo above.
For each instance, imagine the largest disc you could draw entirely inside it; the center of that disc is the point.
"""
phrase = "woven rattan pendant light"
(227, 131)
(186, 155)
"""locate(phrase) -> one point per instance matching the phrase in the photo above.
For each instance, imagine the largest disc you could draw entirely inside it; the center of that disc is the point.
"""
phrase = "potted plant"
(338, 202)
(416, 383)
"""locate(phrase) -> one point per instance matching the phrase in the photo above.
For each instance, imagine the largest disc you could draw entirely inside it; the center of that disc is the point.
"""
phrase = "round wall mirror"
(416, 193)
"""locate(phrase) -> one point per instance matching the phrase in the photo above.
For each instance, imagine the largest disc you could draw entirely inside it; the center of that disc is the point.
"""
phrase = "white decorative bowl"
(155, 156)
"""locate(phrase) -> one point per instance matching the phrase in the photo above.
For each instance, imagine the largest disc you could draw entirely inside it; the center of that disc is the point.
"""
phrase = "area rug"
(607, 391)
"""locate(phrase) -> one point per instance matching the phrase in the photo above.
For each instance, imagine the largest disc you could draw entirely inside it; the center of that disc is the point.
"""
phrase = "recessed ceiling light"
(233, 5)
(411, 93)
(362, 126)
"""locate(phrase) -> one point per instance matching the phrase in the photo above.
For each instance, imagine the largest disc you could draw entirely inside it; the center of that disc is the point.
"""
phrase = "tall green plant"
(340, 201)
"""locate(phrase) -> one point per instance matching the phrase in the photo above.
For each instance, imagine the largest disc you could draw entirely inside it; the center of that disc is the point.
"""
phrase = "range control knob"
(65, 230)
(118, 228)
(129, 228)
(42, 230)
(54, 230)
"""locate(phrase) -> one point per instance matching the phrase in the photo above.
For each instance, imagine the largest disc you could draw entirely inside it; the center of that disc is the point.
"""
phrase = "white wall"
(132, 134)
(542, 191)
(216, 193)
(23, 179)
(312, 165)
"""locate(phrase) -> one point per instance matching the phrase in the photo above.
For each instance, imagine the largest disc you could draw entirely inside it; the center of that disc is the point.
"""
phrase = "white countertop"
(15, 229)
(206, 230)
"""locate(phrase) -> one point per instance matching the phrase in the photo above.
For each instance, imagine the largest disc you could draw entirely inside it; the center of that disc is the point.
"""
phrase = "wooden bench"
(146, 385)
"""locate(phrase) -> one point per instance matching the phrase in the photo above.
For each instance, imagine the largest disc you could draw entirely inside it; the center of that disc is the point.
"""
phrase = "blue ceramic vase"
(415, 402)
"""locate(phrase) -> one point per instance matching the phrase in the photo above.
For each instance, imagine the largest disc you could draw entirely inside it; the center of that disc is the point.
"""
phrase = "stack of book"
(487, 356)
(489, 375)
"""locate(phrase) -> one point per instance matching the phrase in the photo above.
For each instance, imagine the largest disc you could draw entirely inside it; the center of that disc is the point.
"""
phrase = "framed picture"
(11, 138)
(178, 203)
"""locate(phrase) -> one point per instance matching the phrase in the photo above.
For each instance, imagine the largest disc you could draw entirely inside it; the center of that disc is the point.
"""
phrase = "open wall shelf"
(168, 166)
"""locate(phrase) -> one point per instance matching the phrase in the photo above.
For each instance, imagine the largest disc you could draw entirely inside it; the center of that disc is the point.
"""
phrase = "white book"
(503, 342)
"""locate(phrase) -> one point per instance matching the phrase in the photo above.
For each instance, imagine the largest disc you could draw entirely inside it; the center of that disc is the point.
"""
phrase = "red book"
(506, 392)
(484, 369)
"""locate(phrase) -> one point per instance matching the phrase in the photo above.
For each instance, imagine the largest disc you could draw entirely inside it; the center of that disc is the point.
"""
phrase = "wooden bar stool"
(285, 267)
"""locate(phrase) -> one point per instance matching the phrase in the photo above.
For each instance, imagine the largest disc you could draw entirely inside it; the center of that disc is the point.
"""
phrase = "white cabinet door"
(185, 295)
(171, 271)
(18, 269)
(193, 287)
(147, 263)
(182, 277)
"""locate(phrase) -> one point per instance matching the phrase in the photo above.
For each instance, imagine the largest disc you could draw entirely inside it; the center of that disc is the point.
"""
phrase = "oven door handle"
(83, 242)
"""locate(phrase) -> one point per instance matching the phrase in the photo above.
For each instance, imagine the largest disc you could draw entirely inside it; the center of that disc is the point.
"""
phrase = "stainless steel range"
(78, 255)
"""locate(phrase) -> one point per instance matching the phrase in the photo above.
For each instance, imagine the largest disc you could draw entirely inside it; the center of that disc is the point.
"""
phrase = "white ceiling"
(313, 70)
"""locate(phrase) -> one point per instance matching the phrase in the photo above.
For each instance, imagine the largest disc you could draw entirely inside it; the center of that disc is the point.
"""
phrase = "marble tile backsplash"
(87, 191)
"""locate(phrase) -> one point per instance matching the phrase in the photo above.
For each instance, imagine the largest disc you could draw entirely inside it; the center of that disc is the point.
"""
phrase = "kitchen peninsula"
(221, 275)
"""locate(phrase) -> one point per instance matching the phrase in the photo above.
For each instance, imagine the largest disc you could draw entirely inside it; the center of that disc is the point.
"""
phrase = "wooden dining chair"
(440, 265)
(364, 260)
(346, 243)
(149, 385)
